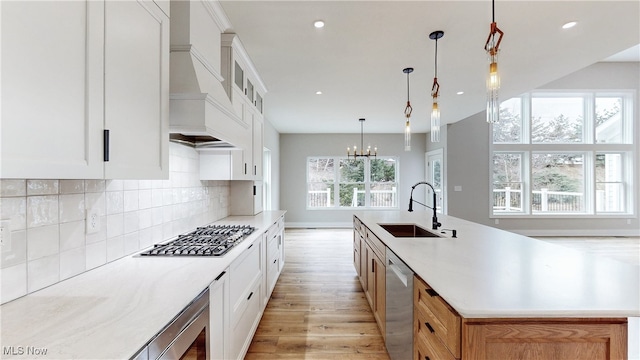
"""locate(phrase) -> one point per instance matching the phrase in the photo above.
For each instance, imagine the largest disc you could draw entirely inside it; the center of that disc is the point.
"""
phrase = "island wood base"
(528, 339)
(441, 333)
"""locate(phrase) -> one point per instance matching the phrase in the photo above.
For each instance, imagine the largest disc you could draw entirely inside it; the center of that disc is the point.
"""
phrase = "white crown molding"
(216, 12)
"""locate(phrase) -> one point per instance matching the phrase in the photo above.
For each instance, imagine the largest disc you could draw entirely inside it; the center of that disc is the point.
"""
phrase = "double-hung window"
(564, 153)
(339, 183)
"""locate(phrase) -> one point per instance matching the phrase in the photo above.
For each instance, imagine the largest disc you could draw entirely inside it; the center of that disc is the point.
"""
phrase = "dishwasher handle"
(398, 272)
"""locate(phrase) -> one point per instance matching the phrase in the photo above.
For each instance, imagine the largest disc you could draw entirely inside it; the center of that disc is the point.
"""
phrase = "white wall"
(48, 240)
(468, 162)
(272, 142)
(295, 148)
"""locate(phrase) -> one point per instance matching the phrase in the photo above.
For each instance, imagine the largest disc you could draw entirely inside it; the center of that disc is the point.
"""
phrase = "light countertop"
(487, 272)
(112, 311)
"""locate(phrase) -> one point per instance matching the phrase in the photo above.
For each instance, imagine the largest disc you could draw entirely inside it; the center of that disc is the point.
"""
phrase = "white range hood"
(200, 109)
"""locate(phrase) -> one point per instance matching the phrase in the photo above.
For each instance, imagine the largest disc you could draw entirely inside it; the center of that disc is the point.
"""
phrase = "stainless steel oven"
(186, 336)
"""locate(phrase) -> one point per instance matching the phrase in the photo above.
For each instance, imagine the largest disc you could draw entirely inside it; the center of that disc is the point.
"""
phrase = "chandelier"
(362, 153)
(493, 78)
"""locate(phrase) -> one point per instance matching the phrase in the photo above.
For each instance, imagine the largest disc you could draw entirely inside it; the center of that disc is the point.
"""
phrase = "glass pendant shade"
(493, 85)
(407, 136)
(435, 121)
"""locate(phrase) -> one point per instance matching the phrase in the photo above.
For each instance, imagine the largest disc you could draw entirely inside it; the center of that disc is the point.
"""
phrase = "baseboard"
(307, 225)
(578, 232)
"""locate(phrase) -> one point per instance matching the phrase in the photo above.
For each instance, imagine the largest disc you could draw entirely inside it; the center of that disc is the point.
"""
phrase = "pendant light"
(362, 153)
(407, 114)
(493, 78)
(435, 91)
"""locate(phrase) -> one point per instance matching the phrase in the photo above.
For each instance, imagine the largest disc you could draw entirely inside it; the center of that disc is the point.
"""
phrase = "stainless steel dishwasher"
(399, 308)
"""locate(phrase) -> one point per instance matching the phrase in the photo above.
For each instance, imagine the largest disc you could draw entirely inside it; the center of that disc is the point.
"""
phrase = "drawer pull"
(373, 265)
(426, 358)
(252, 245)
(431, 292)
(250, 295)
(274, 261)
(219, 276)
(429, 327)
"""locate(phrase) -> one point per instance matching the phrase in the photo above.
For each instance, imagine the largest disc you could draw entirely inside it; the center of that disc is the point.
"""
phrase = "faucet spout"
(434, 220)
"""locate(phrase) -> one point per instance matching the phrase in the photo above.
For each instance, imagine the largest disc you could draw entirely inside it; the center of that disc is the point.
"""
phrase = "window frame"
(589, 147)
(337, 182)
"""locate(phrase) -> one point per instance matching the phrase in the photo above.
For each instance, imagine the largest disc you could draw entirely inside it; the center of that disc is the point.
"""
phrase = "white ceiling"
(356, 60)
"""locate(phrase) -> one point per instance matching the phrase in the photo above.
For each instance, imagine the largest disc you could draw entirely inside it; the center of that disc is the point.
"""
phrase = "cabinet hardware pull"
(254, 190)
(219, 276)
(429, 327)
(250, 295)
(373, 265)
(105, 144)
(431, 292)
(249, 246)
(274, 261)
(426, 358)
(255, 169)
(245, 168)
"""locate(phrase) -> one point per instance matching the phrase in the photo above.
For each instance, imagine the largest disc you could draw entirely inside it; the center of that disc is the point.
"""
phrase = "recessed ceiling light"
(318, 24)
(569, 25)
(318, 92)
(460, 93)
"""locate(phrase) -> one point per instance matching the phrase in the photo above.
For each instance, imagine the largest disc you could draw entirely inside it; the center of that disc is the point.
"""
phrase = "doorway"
(435, 175)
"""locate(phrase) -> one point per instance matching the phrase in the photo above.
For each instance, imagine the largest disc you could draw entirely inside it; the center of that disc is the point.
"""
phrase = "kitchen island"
(111, 312)
(509, 289)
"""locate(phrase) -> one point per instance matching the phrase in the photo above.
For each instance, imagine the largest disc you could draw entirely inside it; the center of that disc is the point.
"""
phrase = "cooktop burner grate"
(213, 240)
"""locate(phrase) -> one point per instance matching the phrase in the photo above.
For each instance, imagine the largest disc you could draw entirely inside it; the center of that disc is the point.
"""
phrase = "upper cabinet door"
(52, 90)
(136, 90)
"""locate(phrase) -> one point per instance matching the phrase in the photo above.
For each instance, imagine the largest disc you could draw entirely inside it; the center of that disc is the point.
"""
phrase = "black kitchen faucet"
(434, 220)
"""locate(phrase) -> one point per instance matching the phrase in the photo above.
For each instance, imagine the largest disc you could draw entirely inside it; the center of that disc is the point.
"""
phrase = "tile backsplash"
(47, 219)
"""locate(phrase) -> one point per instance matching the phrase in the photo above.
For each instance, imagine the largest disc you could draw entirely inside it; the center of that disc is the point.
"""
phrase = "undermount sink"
(407, 230)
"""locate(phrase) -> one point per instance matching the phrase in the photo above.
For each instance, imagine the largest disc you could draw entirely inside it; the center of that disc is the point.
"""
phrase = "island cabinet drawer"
(442, 318)
(427, 344)
(358, 225)
(376, 245)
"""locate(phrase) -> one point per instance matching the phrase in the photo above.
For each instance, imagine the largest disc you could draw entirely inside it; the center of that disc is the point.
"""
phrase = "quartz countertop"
(112, 311)
(491, 273)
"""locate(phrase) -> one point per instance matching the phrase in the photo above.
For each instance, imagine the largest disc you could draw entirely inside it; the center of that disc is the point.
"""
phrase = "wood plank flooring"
(317, 309)
(624, 249)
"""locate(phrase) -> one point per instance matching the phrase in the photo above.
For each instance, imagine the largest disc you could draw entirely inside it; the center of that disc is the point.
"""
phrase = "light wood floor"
(625, 249)
(317, 309)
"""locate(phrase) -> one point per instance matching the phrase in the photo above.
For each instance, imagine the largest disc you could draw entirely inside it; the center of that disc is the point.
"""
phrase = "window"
(563, 153)
(359, 183)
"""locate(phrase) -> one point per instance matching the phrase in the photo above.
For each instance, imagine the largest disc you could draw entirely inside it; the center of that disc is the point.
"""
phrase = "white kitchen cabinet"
(76, 69)
(52, 89)
(136, 87)
(244, 87)
(219, 333)
(247, 197)
(245, 294)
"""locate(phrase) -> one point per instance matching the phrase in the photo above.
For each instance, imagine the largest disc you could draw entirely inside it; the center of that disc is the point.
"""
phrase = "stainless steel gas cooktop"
(212, 240)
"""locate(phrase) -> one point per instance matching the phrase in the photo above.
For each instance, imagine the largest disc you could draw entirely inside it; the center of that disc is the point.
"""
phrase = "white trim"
(216, 12)
(211, 100)
(233, 40)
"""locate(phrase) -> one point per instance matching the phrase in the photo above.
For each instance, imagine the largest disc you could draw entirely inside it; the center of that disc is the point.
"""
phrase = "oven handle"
(192, 315)
(184, 340)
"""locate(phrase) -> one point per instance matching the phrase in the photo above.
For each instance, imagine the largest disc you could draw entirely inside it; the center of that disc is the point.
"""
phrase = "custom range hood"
(201, 111)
